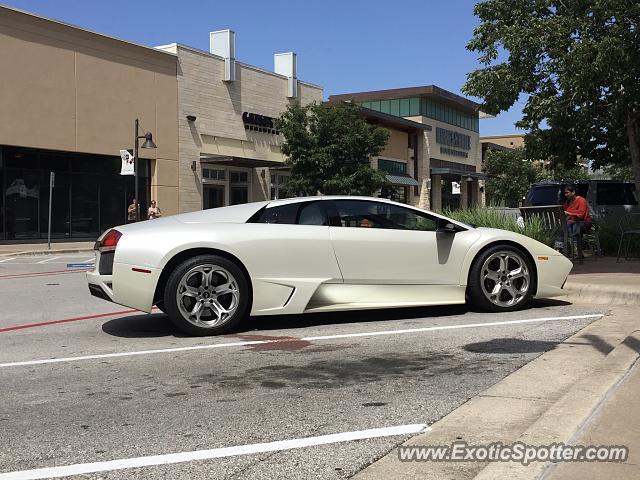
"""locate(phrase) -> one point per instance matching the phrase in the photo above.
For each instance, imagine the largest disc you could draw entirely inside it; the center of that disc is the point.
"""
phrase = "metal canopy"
(456, 172)
(237, 161)
(402, 179)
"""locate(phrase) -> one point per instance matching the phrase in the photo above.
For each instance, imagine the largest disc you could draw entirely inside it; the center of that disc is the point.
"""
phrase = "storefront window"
(396, 193)
(60, 212)
(278, 186)
(239, 187)
(391, 166)
(85, 206)
(89, 195)
(22, 198)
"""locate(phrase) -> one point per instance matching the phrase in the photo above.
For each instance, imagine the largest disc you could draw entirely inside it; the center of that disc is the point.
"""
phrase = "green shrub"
(484, 217)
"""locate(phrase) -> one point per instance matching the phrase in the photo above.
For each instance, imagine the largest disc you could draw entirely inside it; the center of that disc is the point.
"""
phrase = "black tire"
(477, 278)
(160, 306)
(220, 267)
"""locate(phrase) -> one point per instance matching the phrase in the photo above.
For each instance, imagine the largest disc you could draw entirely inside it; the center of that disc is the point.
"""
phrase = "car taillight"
(108, 242)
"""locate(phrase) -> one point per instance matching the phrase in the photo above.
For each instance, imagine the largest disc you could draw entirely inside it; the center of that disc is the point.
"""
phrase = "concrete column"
(475, 193)
(436, 192)
(482, 195)
(464, 193)
(424, 196)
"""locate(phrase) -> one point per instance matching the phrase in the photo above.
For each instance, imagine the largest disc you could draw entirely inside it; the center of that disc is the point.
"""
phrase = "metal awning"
(237, 161)
(457, 172)
(402, 179)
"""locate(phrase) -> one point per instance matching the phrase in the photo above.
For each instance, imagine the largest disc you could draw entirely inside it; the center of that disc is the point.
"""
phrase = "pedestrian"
(154, 211)
(132, 211)
(576, 209)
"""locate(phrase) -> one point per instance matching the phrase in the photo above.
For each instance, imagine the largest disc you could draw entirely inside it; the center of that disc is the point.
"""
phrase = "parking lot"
(86, 382)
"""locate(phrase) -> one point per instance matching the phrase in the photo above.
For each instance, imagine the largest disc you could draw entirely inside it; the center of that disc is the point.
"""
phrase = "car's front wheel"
(207, 295)
(501, 279)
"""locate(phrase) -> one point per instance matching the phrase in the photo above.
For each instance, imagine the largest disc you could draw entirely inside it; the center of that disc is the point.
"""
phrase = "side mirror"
(447, 227)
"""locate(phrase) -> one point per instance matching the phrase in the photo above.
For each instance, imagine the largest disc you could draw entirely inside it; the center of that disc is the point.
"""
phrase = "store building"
(444, 157)
(228, 146)
(69, 100)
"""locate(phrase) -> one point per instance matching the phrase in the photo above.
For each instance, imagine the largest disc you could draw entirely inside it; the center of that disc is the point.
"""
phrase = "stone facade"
(219, 131)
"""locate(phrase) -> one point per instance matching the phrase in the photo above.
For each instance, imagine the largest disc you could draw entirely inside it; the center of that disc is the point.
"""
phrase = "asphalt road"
(82, 384)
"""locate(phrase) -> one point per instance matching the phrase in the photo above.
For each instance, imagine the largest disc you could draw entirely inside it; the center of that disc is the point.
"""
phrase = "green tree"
(577, 63)
(328, 149)
(509, 174)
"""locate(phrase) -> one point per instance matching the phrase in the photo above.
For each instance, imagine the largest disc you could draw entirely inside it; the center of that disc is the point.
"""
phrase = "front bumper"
(553, 271)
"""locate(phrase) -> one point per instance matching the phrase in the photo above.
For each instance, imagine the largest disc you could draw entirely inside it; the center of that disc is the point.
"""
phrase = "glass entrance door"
(213, 196)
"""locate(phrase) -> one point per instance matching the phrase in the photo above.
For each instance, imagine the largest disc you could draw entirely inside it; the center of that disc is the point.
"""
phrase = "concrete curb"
(44, 252)
(602, 294)
(566, 418)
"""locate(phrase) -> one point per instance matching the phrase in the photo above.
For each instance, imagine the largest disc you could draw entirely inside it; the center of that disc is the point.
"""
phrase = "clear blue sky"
(345, 46)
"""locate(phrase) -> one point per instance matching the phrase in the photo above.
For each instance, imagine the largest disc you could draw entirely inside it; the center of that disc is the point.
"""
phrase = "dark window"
(364, 214)
(546, 195)
(238, 195)
(309, 213)
(280, 214)
(392, 167)
(22, 198)
(312, 214)
(60, 226)
(612, 193)
(238, 177)
(84, 206)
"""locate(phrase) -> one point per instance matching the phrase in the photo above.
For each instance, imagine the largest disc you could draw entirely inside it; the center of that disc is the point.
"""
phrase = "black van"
(610, 198)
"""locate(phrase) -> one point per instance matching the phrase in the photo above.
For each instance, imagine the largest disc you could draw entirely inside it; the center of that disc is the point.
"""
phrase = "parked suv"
(606, 198)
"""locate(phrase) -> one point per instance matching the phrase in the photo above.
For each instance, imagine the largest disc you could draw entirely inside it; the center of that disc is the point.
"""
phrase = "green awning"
(402, 179)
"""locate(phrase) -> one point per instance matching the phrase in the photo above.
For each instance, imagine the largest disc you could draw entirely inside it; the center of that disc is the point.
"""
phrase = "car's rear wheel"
(501, 279)
(207, 295)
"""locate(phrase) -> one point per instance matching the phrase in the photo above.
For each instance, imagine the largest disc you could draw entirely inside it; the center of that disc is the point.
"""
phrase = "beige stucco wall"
(397, 145)
(509, 141)
(218, 106)
(64, 88)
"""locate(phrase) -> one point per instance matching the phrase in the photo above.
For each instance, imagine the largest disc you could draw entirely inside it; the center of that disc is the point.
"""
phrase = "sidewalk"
(41, 248)
(586, 391)
(617, 420)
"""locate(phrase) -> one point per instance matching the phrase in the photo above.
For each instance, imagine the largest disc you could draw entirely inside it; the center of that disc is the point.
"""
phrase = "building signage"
(128, 167)
(259, 123)
(455, 153)
(453, 139)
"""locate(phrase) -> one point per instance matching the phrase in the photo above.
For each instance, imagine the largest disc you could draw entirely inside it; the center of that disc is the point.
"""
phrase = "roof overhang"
(237, 161)
(457, 172)
(391, 121)
(429, 91)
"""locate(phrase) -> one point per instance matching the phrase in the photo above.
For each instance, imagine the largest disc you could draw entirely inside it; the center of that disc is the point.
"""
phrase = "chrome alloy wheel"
(207, 296)
(505, 278)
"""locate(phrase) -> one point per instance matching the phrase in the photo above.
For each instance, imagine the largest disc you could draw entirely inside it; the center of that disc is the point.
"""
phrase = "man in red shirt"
(578, 218)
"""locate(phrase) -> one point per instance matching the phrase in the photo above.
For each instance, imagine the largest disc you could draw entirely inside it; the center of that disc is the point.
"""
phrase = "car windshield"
(544, 195)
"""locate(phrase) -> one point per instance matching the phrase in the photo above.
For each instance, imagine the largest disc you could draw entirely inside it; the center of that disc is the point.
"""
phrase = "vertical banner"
(128, 167)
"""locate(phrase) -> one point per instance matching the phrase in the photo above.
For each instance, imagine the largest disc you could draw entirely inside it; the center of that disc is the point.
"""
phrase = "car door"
(383, 243)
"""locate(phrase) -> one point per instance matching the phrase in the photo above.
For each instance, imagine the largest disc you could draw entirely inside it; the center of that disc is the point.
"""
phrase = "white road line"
(171, 458)
(309, 339)
(7, 259)
(47, 260)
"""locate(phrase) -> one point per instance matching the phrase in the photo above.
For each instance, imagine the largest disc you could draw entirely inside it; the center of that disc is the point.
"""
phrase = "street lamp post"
(148, 143)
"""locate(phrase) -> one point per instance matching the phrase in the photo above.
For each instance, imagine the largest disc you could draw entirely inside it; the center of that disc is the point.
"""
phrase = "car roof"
(284, 201)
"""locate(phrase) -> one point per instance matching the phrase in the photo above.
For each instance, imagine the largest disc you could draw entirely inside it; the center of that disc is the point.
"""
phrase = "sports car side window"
(365, 214)
(307, 213)
(312, 214)
(283, 214)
